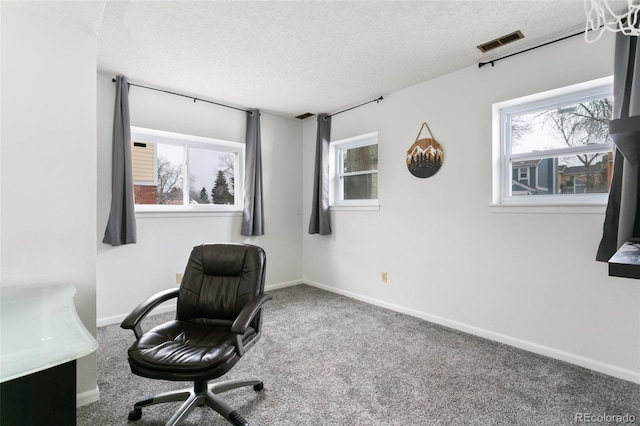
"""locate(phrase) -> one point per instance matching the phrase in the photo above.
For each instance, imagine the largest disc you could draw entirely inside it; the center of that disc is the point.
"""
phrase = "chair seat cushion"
(184, 350)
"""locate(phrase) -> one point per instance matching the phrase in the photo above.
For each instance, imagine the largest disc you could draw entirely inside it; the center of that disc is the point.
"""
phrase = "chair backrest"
(219, 280)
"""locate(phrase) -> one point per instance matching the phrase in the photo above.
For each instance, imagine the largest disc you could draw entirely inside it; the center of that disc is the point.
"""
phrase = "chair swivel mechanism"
(218, 318)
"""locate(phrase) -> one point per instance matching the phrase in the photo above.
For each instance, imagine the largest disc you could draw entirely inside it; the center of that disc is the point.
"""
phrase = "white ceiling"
(292, 57)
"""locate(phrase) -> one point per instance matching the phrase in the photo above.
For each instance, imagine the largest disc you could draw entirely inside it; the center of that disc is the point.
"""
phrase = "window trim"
(141, 134)
(502, 173)
(336, 149)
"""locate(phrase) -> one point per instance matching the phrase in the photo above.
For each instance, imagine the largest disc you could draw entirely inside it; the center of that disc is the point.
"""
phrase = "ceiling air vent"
(501, 41)
(303, 116)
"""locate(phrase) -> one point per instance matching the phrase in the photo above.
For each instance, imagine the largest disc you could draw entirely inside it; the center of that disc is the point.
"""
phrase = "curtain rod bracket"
(482, 64)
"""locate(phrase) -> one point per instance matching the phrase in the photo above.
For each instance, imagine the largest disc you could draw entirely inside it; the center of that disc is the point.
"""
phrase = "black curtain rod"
(186, 96)
(482, 64)
(377, 100)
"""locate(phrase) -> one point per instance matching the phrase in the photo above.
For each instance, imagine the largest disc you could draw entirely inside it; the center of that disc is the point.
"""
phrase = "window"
(176, 172)
(354, 171)
(554, 147)
(523, 173)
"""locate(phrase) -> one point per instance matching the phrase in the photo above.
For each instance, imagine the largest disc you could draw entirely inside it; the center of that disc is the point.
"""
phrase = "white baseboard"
(171, 305)
(87, 397)
(571, 358)
(269, 287)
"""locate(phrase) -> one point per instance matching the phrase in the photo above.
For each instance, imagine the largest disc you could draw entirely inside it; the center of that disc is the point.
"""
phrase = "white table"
(41, 337)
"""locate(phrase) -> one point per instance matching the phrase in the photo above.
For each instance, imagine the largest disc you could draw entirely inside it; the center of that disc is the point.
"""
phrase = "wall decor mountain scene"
(425, 156)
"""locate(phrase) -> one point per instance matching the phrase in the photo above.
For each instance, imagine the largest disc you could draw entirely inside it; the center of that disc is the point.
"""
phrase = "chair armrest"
(132, 321)
(247, 313)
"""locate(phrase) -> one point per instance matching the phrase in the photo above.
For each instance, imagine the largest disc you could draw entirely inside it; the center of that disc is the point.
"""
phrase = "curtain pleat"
(320, 222)
(253, 215)
(621, 219)
(121, 227)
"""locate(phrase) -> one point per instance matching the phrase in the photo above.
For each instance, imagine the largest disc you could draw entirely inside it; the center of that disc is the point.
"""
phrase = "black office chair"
(219, 316)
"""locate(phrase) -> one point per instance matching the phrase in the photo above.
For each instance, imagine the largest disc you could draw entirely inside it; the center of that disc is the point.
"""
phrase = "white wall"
(526, 279)
(48, 160)
(127, 275)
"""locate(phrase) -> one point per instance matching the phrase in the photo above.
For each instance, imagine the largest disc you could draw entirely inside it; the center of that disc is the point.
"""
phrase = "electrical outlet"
(178, 277)
(384, 277)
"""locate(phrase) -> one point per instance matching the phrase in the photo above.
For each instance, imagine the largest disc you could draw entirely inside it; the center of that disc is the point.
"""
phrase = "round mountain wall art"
(425, 156)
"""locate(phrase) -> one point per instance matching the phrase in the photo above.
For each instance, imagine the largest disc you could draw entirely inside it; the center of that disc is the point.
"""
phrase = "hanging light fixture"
(603, 16)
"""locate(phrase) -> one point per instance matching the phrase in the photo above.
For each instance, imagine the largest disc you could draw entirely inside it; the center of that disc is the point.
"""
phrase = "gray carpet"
(326, 359)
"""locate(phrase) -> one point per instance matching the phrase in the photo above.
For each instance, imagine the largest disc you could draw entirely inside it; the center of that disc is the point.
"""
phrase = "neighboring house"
(545, 176)
(144, 177)
(533, 177)
(579, 179)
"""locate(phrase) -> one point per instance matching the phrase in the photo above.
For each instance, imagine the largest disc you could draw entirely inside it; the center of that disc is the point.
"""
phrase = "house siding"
(142, 160)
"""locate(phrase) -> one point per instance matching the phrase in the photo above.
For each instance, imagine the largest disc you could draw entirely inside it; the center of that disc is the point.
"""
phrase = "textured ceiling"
(291, 57)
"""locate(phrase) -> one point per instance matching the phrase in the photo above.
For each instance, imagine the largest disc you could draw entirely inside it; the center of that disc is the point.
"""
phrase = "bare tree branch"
(169, 180)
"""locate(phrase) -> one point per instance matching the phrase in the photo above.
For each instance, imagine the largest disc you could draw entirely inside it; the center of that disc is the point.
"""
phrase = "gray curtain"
(253, 215)
(320, 222)
(622, 220)
(121, 227)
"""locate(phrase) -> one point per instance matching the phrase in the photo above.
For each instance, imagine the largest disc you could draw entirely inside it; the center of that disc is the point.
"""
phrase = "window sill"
(369, 207)
(595, 208)
(183, 213)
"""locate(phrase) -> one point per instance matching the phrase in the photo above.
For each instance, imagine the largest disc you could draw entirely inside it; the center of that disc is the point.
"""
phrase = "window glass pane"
(211, 176)
(157, 173)
(144, 173)
(573, 125)
(354, 171)
(169, 174)
(361, 187)
(360, 159)
(177, 170)
(574, 174)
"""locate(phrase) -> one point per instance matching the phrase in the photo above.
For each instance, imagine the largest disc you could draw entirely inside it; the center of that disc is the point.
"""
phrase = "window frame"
(336, 191)
(146, 135)
(503, 158)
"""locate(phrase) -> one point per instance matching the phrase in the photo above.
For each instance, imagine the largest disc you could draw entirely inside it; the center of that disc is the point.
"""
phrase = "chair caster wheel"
(258, 387)
(135, 414)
